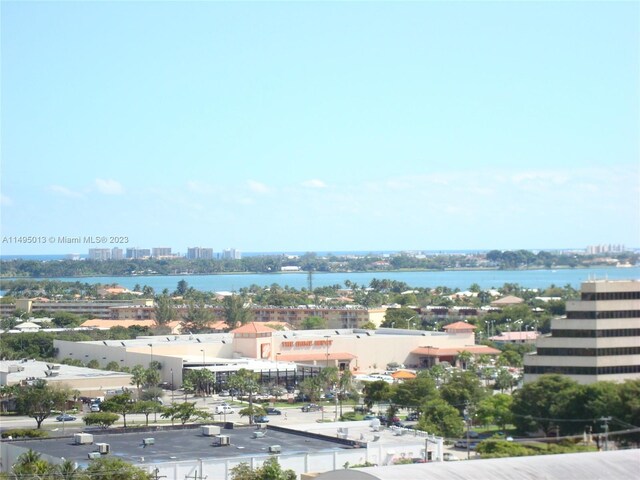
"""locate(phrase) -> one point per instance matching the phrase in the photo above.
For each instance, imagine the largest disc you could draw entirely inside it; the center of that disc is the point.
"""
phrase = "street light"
(172, 388)
(408, 320)
(151, 363)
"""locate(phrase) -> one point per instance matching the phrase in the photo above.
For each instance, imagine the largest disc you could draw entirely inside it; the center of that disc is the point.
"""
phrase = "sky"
(319, 126)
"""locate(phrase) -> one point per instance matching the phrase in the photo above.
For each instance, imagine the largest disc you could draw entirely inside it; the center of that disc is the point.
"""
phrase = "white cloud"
(200, 187)
(314, 183)
(4, 200)
(258, 187)
(109, 187)
(64, 191)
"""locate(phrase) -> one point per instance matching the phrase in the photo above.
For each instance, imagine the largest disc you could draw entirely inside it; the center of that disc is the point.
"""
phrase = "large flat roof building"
(599, 339)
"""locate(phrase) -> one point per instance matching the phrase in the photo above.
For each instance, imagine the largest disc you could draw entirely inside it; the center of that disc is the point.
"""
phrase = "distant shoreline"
(304, 272)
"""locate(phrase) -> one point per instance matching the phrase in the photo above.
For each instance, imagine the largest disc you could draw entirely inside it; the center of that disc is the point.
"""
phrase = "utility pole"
(606, 421)
(467, 414)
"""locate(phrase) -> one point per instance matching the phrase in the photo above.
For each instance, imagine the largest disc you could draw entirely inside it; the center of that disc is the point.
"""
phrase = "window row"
(635, 295)
(588, 352)
(602, 315)
(541, 370)
(614, 332)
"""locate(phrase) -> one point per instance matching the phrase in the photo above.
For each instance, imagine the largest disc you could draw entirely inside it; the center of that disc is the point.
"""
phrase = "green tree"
(147, 407)
(465, 358)
(496, 409)
(439, 418)
(31, 465)
(184, 412)
(197, 317)
(313, 323)
(270, 470)
(246, 382)
(412, 393)
(376, 392)
(138, 376)
(252, 411)
(311, 387)
(122, 404)
(504, 380)
(112, 468)
(537, 403)
(182, 288)
(102, 419)
(165, 311)
(203, 381)
(235, 312)
(39, 399)
(398, 317)
(463, 388)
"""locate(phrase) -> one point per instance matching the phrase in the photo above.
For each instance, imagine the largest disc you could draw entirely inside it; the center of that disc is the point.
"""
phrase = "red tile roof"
(253, 327)
(460, 326)
(452, 352)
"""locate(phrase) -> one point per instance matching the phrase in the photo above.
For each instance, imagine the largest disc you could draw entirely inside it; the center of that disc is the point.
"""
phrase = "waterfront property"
(598, 339)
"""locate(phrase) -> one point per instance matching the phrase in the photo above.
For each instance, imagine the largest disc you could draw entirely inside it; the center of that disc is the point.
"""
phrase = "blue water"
(452, 279)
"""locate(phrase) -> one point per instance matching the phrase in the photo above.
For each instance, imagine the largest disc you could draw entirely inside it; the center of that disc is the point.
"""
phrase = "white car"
(220, 409)
(95, 407)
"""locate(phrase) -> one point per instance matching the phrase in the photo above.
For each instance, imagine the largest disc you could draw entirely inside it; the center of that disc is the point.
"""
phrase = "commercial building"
(282, 356)
(88, 381)
(212, 451)
(598, 339)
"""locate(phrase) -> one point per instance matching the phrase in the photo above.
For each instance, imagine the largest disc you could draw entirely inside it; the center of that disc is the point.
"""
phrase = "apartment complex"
(599, 339)
(105, 309)
(195, 253)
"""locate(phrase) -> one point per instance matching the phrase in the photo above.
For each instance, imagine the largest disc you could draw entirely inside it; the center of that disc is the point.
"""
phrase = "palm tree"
(247, 382)
(464, 358)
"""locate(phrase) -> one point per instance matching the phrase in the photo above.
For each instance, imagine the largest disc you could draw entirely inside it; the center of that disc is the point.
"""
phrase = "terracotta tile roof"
(97, 322)
(508, 300)
(253, 327)
(452, 352)
(459, 326)
(403, 374)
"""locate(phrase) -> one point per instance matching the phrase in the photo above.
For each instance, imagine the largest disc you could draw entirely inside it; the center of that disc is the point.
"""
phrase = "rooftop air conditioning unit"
(210, 430)
(148, 441)
(103, 448)
(93, 455)
(82, 439)
(222, 441)
(275, 449)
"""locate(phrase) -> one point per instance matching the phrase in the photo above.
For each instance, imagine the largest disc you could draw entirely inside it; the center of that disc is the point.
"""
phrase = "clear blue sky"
(321, 126)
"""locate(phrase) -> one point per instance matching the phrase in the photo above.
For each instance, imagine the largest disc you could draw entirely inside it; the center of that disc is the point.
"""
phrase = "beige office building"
(598, 339)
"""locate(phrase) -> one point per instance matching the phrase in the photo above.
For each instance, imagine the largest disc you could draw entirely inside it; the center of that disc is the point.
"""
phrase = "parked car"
(311, 407)
(224, 393)
(65, 417)
(95, 407)
(273, 411)
(413, 417)
(220, 409)
(260, 419)
(449, 457)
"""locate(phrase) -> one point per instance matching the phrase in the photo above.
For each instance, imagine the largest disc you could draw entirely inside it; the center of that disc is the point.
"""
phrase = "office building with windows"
(598, 339)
